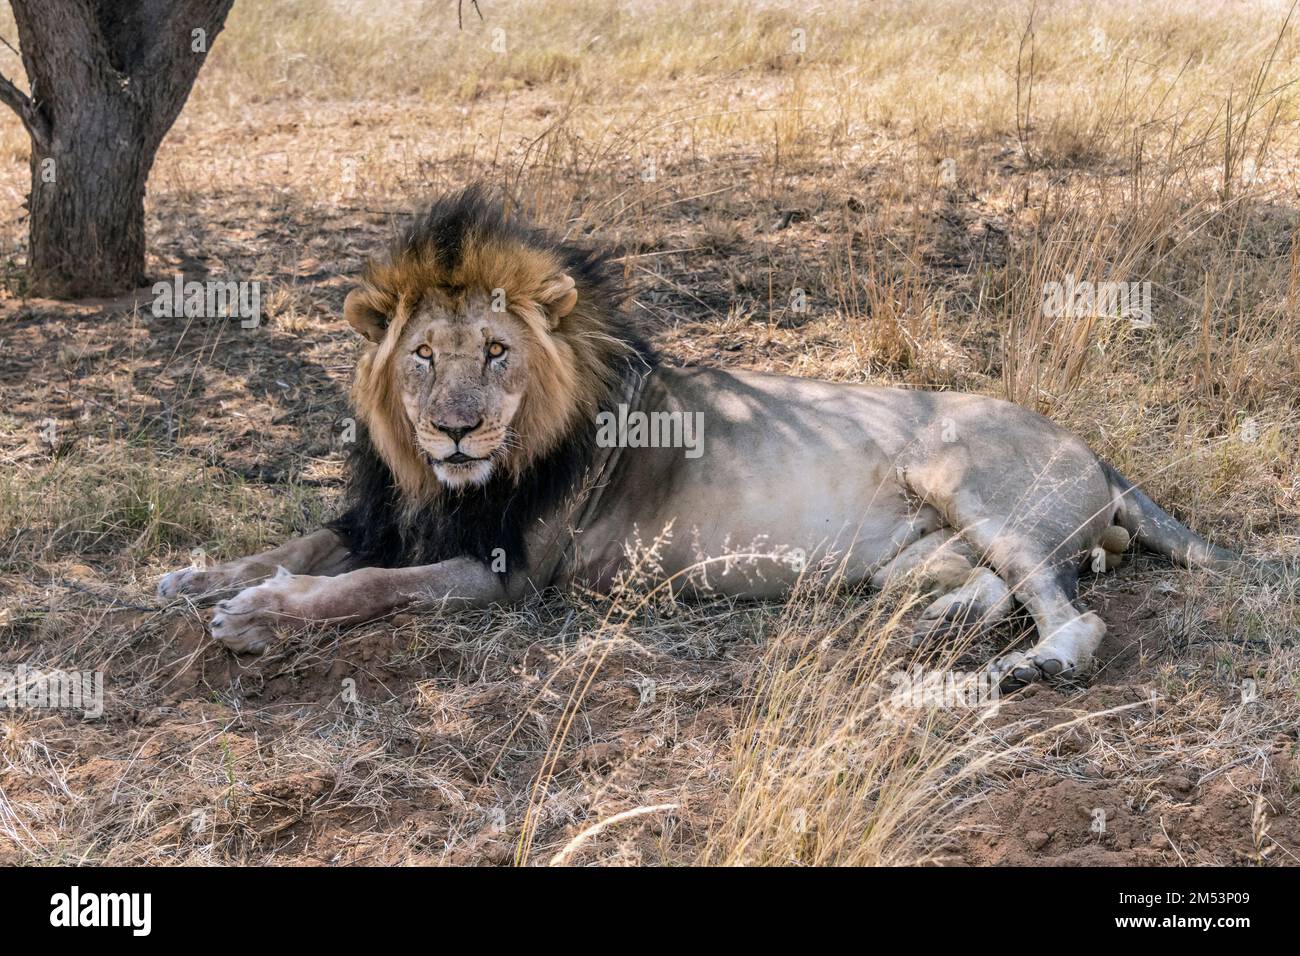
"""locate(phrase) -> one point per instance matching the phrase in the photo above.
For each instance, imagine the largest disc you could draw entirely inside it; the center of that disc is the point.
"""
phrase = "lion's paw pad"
(1016, 670)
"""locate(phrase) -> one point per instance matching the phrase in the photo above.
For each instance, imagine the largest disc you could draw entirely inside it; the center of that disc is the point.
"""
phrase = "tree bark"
(107, 78)
(87, 205)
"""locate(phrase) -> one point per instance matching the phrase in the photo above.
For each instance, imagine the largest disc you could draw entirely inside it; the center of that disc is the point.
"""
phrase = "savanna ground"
(919, 170)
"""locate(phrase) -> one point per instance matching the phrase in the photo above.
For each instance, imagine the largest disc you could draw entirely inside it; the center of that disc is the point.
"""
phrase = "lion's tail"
(1158, 531)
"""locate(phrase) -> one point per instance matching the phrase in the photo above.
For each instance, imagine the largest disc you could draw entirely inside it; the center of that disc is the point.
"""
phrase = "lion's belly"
(769, 495)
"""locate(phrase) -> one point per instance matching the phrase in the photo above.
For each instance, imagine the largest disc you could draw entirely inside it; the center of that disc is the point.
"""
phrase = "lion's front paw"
(246, 622)
(196, 583)
(177, 583)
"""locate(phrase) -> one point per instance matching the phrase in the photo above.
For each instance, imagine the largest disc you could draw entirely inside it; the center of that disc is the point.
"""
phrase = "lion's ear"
(367, 320)
(558, 297)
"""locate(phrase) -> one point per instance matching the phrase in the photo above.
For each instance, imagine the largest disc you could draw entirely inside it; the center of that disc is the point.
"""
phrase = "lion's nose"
(457, 433)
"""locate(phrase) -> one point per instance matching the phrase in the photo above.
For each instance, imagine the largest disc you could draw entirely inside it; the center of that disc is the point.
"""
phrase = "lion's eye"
(496, 350)
(424, 352)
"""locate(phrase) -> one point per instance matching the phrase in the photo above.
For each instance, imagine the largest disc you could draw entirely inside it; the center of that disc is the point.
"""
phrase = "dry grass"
(883, 198)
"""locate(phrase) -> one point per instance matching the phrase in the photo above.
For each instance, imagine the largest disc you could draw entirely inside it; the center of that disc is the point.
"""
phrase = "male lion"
(478, 476)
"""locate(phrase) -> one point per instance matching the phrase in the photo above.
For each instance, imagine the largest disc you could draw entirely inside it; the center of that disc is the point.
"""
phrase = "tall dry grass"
(832, 767)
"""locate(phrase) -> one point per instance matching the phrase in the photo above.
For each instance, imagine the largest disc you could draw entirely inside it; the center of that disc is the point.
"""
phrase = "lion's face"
(461, 373)
(485, 356)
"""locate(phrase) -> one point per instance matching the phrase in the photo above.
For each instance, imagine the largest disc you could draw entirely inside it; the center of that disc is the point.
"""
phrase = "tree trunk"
(87, 206)
(108, 79)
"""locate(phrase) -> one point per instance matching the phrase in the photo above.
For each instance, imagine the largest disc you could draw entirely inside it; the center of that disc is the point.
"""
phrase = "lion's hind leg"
(1067, 638)
(938, 561)
(1045, 581)
(969, 599)
(982, 601)
(1034, 545)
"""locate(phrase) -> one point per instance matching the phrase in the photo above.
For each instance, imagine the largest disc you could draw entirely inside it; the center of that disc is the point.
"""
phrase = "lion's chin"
(463, 475)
